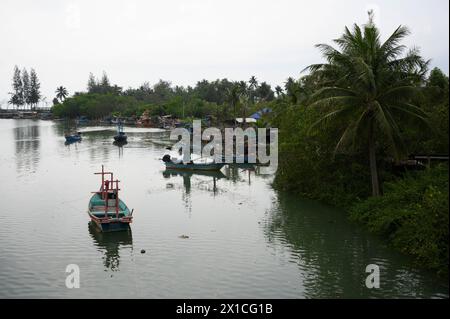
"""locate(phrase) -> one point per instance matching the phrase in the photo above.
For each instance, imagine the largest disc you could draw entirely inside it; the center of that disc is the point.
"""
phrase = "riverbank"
(412, 216)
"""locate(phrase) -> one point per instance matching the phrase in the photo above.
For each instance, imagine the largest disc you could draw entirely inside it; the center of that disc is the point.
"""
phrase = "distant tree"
(26, 87)
(253, 82)
(438, 79)
(244, 93)
(278, 91)
(92, 84)
(104, 83)
(264, 92)
(61, 93)
(55, 101)
(35, 86)
(233, 99)
(17, 93)
(253, 85)
(290, 87)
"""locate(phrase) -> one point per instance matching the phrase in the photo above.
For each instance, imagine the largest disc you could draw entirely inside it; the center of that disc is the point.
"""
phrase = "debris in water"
(142, 251)
(183, 236)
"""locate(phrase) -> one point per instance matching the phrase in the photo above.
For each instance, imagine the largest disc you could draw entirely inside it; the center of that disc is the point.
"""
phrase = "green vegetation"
(222, 99)
(61, 93)
(413, 215)
(344, 126)
(26, 89)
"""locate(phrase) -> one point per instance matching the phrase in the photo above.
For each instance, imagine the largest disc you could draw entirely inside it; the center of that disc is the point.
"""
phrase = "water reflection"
(213, 176)
(120, 146)
(92, 139)
(234, 172)
(27, 146)
(110, 244)
(332, 254)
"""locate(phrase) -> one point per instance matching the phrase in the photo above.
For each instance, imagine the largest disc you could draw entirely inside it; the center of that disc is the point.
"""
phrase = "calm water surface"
(245, 239)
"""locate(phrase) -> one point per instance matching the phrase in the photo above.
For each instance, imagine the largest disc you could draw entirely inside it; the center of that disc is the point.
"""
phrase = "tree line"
(221, 98)
(26, 89)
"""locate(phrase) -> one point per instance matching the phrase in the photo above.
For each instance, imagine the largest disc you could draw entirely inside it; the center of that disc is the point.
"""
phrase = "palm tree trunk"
(234, 114)
(373, 163)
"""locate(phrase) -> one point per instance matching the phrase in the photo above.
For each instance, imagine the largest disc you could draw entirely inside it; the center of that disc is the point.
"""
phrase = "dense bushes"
(413, 214)
(308, 165)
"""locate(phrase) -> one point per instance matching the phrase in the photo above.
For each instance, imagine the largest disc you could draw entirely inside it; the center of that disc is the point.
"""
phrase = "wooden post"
(117, 198)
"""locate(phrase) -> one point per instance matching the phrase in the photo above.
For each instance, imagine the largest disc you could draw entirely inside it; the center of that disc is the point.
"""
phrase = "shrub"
(413, 215)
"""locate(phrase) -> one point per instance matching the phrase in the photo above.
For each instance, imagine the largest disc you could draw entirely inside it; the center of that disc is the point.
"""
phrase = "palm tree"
(253, 85)
(278, 90)
(61, 93)
(233, 98)
(369, 85)
(253, 82)
(244, 95)
(291, 89)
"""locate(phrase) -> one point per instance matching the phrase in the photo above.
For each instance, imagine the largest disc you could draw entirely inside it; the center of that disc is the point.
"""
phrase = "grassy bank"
(413, 216)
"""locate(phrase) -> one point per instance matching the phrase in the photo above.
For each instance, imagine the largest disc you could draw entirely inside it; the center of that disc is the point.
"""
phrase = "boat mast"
(117, 198)
(104, 192)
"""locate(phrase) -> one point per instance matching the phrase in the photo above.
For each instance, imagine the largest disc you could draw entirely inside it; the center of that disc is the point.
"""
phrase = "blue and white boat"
(174, 160)
(73, 138)
(120, 137)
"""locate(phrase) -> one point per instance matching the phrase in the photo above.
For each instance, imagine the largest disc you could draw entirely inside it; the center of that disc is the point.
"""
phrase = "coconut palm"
(291, 89)
(278, 90)
(369, 86)
(233, 98)
(253, 85)
(253, 82)
(61, 93)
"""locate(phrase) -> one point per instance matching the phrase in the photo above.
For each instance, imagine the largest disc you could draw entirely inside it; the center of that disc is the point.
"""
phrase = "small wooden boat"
(194, 166)
(73, 138)
(173, 161)
(105, 208)
(185, 173)
(121, 136)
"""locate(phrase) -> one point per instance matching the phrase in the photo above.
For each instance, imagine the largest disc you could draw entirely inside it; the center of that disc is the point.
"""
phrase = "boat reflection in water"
(187, 176)
(110, 243)
(120, 145)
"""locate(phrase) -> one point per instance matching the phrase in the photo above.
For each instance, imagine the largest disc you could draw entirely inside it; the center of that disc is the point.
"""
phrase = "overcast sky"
(184, 41)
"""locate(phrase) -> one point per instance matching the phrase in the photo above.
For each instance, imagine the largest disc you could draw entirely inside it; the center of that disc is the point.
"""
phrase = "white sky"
(186, 41)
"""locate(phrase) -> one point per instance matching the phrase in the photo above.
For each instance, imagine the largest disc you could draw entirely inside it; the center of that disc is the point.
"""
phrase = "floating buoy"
(142, 251)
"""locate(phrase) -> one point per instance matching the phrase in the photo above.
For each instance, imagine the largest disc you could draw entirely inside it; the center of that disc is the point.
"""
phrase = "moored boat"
(105, 207)
(73, 137)
(175, 161)
(120, 136)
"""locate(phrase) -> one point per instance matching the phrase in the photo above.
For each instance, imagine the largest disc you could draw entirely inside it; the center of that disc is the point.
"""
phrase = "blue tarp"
(260, 113)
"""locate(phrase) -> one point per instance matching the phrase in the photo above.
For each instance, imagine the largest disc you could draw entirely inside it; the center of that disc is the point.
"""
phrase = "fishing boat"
(82, 120)
(175, 161)
(71, 138)
(120, 136)
(105, 207)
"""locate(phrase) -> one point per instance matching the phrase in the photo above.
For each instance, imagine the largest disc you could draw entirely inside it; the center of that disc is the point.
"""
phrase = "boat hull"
(73, 138)
(120, 138)
(194, 167)
(111, 226)
(112, 220)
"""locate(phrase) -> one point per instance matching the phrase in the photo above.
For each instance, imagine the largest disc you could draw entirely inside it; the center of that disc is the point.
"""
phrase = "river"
(245, 240)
